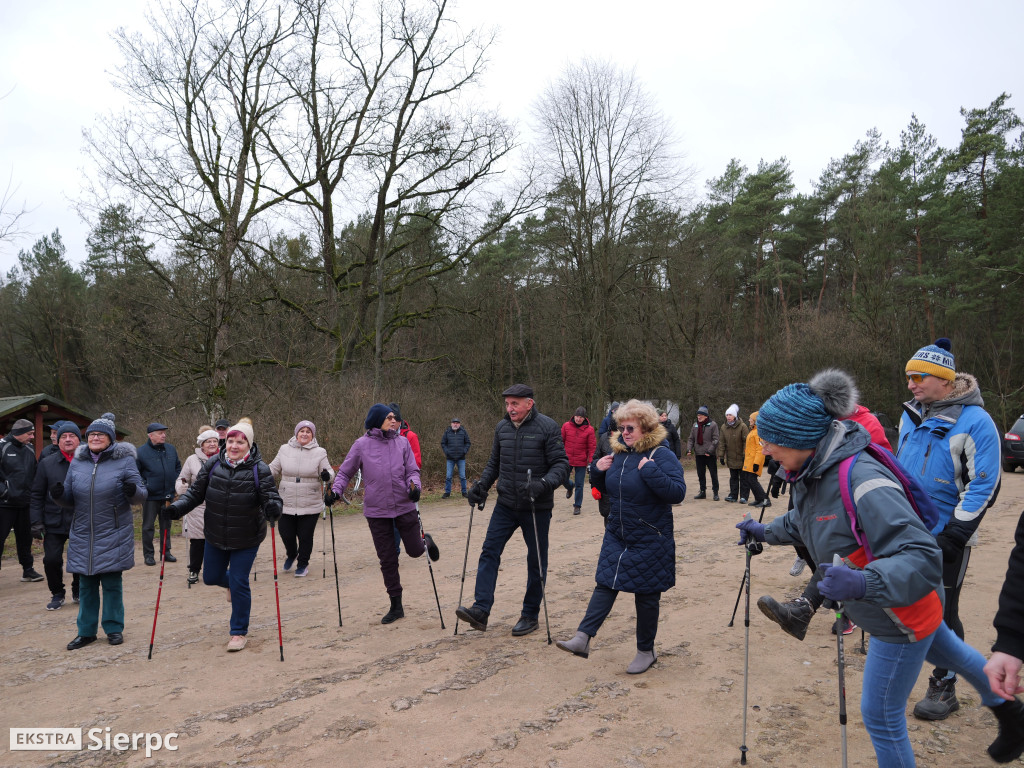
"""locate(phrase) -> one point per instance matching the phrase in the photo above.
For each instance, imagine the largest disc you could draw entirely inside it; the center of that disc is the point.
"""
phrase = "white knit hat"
(245, 428)
(207, 435)
(733, 410)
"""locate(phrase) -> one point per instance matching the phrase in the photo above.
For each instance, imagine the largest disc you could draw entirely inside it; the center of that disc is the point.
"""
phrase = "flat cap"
(518, 390)
(155, 426)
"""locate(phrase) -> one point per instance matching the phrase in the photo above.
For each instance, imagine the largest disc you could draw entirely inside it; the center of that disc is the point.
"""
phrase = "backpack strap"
(845, 489)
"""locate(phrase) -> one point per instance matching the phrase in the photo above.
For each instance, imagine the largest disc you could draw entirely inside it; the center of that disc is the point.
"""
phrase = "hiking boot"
(579, 645)
(525, 626)
(716, 497)
(30, 574)
(150, 560)
(701, 495)
(115, 638)
(446, 495)
(794, 616)
(300, 572)
(193, 577)
(575, 510)
(288, 563)
(1009, 744)
(798, 567)
(641, 662)
(80, 642)
(464, 494)
(56, 602)
(236, 643)
(432, 551)
(940, 701)
(730, 499)
(396, 612)
(475, 617)
(169, 558)
(848, 626)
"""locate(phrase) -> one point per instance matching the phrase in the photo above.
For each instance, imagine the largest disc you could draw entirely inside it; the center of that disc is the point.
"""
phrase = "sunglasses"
(628, 428)
(917, 378)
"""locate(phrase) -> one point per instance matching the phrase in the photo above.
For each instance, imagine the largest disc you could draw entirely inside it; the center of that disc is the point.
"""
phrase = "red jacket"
(580, 442)
(863, 416)
(406, 431)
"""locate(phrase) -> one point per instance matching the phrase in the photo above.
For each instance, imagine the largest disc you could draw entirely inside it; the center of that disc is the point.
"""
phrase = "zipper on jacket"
(92, 514)
(924, 464)
(652, 527)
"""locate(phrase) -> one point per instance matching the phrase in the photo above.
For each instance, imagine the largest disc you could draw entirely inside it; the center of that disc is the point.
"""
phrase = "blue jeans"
(579, 478)
(504, 523)
(448, 474)
(890, 672)
(230, 568)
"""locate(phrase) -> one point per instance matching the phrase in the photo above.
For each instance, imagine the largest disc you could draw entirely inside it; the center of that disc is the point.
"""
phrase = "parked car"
(1013, 446)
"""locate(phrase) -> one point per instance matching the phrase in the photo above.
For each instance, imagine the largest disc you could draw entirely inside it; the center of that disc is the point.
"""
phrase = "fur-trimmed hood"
(643, 444)
(115, 451)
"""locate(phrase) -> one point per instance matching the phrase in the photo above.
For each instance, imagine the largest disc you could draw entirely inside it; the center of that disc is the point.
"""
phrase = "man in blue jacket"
(159, 466)
(951, 445)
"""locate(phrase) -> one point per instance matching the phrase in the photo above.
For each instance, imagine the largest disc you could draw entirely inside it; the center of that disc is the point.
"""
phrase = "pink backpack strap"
(845, 467)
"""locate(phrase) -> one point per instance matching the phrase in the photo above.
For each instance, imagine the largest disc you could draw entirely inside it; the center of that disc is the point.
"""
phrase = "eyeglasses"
(766, 445)
(628, 428)
(390, 417)
(917, 378)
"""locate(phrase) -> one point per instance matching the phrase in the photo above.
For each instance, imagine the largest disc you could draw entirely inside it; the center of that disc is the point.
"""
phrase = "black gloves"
(756, 467)
(57, 491)
(414, 492)
(721, 460)
(173, 511)
(129, 490)
(273, 513)
(330, 497)
(37, 531)
(477, 495)
(951, 548)
(534, 489)
(325, 475)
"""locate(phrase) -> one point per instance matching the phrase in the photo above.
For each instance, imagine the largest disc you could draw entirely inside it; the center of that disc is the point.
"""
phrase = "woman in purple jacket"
(391, 482)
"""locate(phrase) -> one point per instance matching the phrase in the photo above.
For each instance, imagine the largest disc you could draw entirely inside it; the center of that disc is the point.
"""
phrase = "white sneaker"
(236, 643)
(798, 567)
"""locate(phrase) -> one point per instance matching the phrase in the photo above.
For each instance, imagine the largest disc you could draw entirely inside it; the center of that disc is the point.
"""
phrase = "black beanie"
(376, 415)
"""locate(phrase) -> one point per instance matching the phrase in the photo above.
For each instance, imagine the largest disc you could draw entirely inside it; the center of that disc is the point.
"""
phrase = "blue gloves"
(750, 528)
(842, 583)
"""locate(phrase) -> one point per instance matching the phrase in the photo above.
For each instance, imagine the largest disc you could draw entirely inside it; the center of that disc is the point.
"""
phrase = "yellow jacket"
(753, 459)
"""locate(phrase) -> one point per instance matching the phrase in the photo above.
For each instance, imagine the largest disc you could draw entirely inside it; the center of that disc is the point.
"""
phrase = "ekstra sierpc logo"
(71, 740)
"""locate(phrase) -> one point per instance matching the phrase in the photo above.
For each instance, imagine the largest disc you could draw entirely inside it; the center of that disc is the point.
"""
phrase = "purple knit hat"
(305, 423)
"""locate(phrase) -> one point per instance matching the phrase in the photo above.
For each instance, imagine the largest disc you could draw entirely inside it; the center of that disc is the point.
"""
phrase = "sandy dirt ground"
(414, 694)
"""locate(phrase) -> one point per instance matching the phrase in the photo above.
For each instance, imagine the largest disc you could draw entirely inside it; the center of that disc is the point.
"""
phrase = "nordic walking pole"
(277, 594)
(334, 554)
(540, 565)
(156, 611)
(743, 581)
(753, 547)
(423, 536)
(465, 560)
(323, 539)
(841, 657)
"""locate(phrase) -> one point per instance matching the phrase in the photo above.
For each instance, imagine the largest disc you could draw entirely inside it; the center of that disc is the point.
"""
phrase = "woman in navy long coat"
(641, 479)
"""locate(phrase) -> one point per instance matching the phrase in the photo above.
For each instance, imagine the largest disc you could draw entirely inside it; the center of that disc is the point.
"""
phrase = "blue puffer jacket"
(102, 535)
(638, 553)
(952, 448)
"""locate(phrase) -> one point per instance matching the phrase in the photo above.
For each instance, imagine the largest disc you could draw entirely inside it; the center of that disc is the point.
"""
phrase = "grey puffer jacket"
(535, 445)
(102, 534)
(908, 567)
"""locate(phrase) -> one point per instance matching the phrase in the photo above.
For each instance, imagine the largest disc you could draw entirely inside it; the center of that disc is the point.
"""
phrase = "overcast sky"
(750, 80)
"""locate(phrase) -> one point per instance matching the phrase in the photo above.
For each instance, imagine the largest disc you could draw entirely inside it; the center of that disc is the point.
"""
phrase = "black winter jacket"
(236, 508)
(455, 443)
(17, 470)
(44, 510)
(159, 466)
(535, 445)
(674, 442)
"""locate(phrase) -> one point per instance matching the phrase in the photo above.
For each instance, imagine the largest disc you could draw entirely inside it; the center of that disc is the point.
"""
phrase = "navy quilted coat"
(638, 553)
(102, 534)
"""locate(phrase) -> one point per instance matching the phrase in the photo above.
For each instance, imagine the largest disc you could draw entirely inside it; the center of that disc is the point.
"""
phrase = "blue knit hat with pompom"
(799, 415)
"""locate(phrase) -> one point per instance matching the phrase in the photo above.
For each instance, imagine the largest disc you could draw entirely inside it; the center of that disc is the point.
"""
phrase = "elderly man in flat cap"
(524, 439)
(159, 466)
(17, 471)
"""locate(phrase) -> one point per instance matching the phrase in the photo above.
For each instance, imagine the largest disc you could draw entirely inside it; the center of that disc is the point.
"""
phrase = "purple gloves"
(842, 583)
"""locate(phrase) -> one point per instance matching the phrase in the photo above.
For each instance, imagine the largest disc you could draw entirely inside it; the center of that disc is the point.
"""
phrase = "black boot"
(396, 612)
(1009, 744)
(793, 616)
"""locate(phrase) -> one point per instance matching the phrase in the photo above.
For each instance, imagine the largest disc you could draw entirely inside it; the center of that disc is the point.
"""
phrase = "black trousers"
(196, 548)
(734, 482)
(953, 581)
(53, 564)
(750, 484)
(17, 519)
(297, 534)
(648, 605)
(151, 510)
(706, 464)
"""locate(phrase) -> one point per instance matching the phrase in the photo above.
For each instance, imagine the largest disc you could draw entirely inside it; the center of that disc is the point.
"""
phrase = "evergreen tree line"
(218, 281)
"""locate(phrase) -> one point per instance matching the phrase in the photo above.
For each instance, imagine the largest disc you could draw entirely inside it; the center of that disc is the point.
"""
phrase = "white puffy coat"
(193, 522)
(296, 469)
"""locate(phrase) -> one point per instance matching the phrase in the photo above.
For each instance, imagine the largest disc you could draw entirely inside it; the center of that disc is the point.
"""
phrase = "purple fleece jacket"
(388, 465)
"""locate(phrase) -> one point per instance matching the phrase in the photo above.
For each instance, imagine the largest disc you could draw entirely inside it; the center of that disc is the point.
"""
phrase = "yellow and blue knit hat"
(936, 359)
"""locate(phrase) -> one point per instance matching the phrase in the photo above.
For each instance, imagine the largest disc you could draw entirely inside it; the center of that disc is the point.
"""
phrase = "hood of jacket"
(586, 422)
(311, 445)
(114, 451)
(644, 443)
